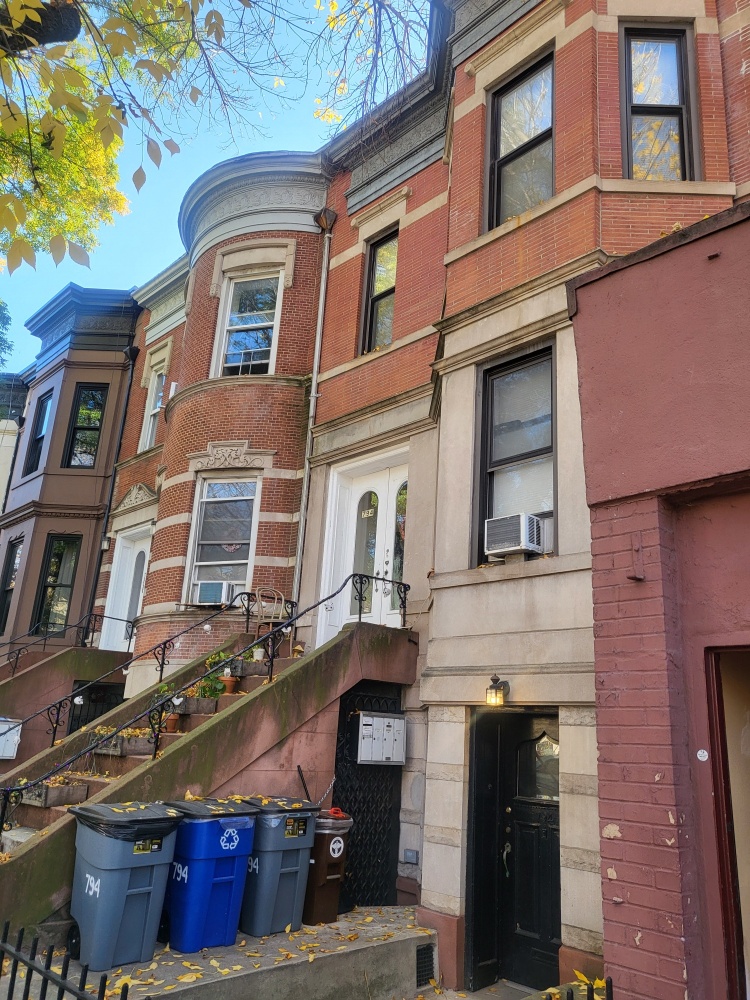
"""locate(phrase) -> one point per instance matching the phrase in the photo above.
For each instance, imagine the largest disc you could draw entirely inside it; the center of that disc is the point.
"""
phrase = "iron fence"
(569, 993)
(31, 967)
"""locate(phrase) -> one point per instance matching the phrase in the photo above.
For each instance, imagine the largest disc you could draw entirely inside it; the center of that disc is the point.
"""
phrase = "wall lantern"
(325, 219)
(498, 691)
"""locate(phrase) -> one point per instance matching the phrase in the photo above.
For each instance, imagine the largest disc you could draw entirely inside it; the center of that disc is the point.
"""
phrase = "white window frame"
(201, 482)
(151, 413)
(225, 303)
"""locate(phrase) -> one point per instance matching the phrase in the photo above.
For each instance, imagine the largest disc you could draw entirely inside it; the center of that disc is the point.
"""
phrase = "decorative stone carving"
(137, 496)
(230, 455)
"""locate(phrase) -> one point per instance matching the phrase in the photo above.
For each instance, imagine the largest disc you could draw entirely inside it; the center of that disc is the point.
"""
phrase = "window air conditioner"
(216, 592)
(517, 533)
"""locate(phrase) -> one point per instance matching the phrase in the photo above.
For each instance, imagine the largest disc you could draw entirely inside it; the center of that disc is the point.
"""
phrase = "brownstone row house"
(365, 361)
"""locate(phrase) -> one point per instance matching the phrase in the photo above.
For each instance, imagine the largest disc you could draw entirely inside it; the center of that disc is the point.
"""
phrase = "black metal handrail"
(86, 627)
(590, 994)
(59, 981)
(56, 710)
(157, 712)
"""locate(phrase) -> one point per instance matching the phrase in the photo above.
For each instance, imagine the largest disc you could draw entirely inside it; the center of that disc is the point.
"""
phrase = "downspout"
(131, 353)
(325, 219)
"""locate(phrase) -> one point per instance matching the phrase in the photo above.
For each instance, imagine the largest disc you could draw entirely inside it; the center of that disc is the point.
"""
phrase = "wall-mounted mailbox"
(380, 738)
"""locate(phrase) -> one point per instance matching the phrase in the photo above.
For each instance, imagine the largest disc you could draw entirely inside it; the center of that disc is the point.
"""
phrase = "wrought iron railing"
(85, 628)
(59, 981)
(56, 711)
(157, 713)
(568, 993)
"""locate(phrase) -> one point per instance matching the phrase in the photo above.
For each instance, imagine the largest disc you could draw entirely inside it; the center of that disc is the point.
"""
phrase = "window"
(154, 403)
(225, 522)
(36, 443)
(56, 583)
(254, 307)
(656, 105)
(85, 426)
(521, 145)
(519, 442)
(381, 293)
(12, 562)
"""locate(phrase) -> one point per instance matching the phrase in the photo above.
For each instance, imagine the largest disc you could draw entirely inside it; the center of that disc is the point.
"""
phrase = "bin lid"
(333, 821)
(208, 808)
(280, 804)
(129, 820)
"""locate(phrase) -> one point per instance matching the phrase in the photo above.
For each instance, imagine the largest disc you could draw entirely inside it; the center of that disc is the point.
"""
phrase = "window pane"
(253, 302)
(229, 521)
(13, 561)
(234, 573)
(55, 608)
(219, 553)
(91, 407)
(656, 79)
(83, 448)
(526, 110)
(385, 266)
(159, 391)
(399, 541)
(62, 560)
(656, 148)
(525, 488)
(526, 181)
(382, 322)
(522, 411)
(364, 546)
(228, 491)
(539, 768)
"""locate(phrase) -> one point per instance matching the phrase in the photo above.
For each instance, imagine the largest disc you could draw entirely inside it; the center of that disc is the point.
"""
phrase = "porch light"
(498, 691)
(325, 219)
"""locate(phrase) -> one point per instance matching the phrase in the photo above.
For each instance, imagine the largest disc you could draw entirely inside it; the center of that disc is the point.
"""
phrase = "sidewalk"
(502, 990)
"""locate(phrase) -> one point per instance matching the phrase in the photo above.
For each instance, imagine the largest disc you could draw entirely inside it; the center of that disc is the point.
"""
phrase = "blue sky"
(145, 241)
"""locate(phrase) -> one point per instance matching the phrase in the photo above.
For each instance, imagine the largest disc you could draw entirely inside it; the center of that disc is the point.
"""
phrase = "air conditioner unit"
(215, 592)
(517, 533)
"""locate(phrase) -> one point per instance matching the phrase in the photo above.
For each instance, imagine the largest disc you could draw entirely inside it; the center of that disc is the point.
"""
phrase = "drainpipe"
(131, 353)
(20, 421)
(325, 219)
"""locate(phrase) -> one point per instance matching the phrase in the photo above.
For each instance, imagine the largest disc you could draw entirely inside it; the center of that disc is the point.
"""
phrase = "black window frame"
(35, 625)
(496, 162)
(36, 441)
(524, 358)
(7, 589)
(688, 139)
(370, 299)
(81, 387)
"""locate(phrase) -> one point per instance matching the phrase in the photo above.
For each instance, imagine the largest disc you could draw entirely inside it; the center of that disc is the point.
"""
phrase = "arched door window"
(365, 536)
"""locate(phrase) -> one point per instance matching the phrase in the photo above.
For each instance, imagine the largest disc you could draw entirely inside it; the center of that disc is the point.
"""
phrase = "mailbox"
(379, 738)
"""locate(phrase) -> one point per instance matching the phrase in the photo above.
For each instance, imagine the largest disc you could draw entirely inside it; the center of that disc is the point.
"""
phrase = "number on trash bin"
(180, 872)
(92, 885)
(252, 865)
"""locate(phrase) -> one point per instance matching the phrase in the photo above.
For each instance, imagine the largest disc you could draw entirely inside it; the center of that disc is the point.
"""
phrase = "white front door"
(127, 583)
(370, 528)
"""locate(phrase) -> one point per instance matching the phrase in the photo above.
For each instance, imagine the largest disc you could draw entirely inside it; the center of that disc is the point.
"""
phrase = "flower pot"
(172, 722)
(47, 796)
(196, 706)
(125, 746)
(230, 683)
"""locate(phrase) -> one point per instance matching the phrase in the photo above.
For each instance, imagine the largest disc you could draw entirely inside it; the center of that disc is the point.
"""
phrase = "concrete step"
(117, 766)
(37, 818)
(15, 837)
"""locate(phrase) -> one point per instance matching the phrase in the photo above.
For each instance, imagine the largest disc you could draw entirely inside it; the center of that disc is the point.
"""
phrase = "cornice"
(524, 27)
(164, 282)
(239, 381)
(36, 509)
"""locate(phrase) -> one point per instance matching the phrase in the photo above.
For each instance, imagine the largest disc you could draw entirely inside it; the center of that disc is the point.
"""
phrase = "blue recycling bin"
(207, 874)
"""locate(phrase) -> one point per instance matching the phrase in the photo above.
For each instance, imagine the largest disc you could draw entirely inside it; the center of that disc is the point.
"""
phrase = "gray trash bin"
(277, 869)
(123, 853)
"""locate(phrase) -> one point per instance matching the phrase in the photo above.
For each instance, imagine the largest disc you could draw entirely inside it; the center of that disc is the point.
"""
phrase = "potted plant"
(230, 676)
(172, 720)
(200, 698)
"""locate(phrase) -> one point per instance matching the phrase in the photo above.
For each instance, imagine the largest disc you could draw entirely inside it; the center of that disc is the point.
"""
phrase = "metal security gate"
(371, 794)
(96, 700)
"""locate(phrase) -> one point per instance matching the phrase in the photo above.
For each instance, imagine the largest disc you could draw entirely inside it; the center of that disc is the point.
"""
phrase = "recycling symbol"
(229, 840)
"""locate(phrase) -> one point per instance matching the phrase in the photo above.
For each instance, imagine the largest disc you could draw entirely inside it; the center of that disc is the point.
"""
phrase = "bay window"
(223, 541)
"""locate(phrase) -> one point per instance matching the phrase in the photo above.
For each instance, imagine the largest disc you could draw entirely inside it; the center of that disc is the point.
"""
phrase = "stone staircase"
(253, 742)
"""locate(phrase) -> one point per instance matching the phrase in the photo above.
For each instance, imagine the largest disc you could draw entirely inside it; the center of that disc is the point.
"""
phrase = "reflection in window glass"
(526, 110)
(364, 547)
(88, 413)
(250, 326)
(656, 107)
(655, 75)
(399, 541)
(41, 418)
(526, 181)
(156, 397)
(382, 288)
(12, 562)
(57, 583)
(656, 148)
(539, 769)
(522, 411)
(223, 549)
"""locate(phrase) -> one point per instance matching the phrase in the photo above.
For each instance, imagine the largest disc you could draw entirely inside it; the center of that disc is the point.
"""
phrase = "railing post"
(608, 988)
(4, 808)
(56, 721)
(271, 649)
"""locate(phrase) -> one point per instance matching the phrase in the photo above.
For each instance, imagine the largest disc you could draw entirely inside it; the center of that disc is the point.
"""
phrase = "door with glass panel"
(221, 565)
(377, 535)
(128, 581)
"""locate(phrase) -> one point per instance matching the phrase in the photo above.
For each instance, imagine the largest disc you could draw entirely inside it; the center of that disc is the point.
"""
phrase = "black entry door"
(513, 912)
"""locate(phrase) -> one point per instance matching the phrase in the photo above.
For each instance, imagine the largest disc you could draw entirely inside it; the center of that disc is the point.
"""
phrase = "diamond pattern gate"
(371, 794)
